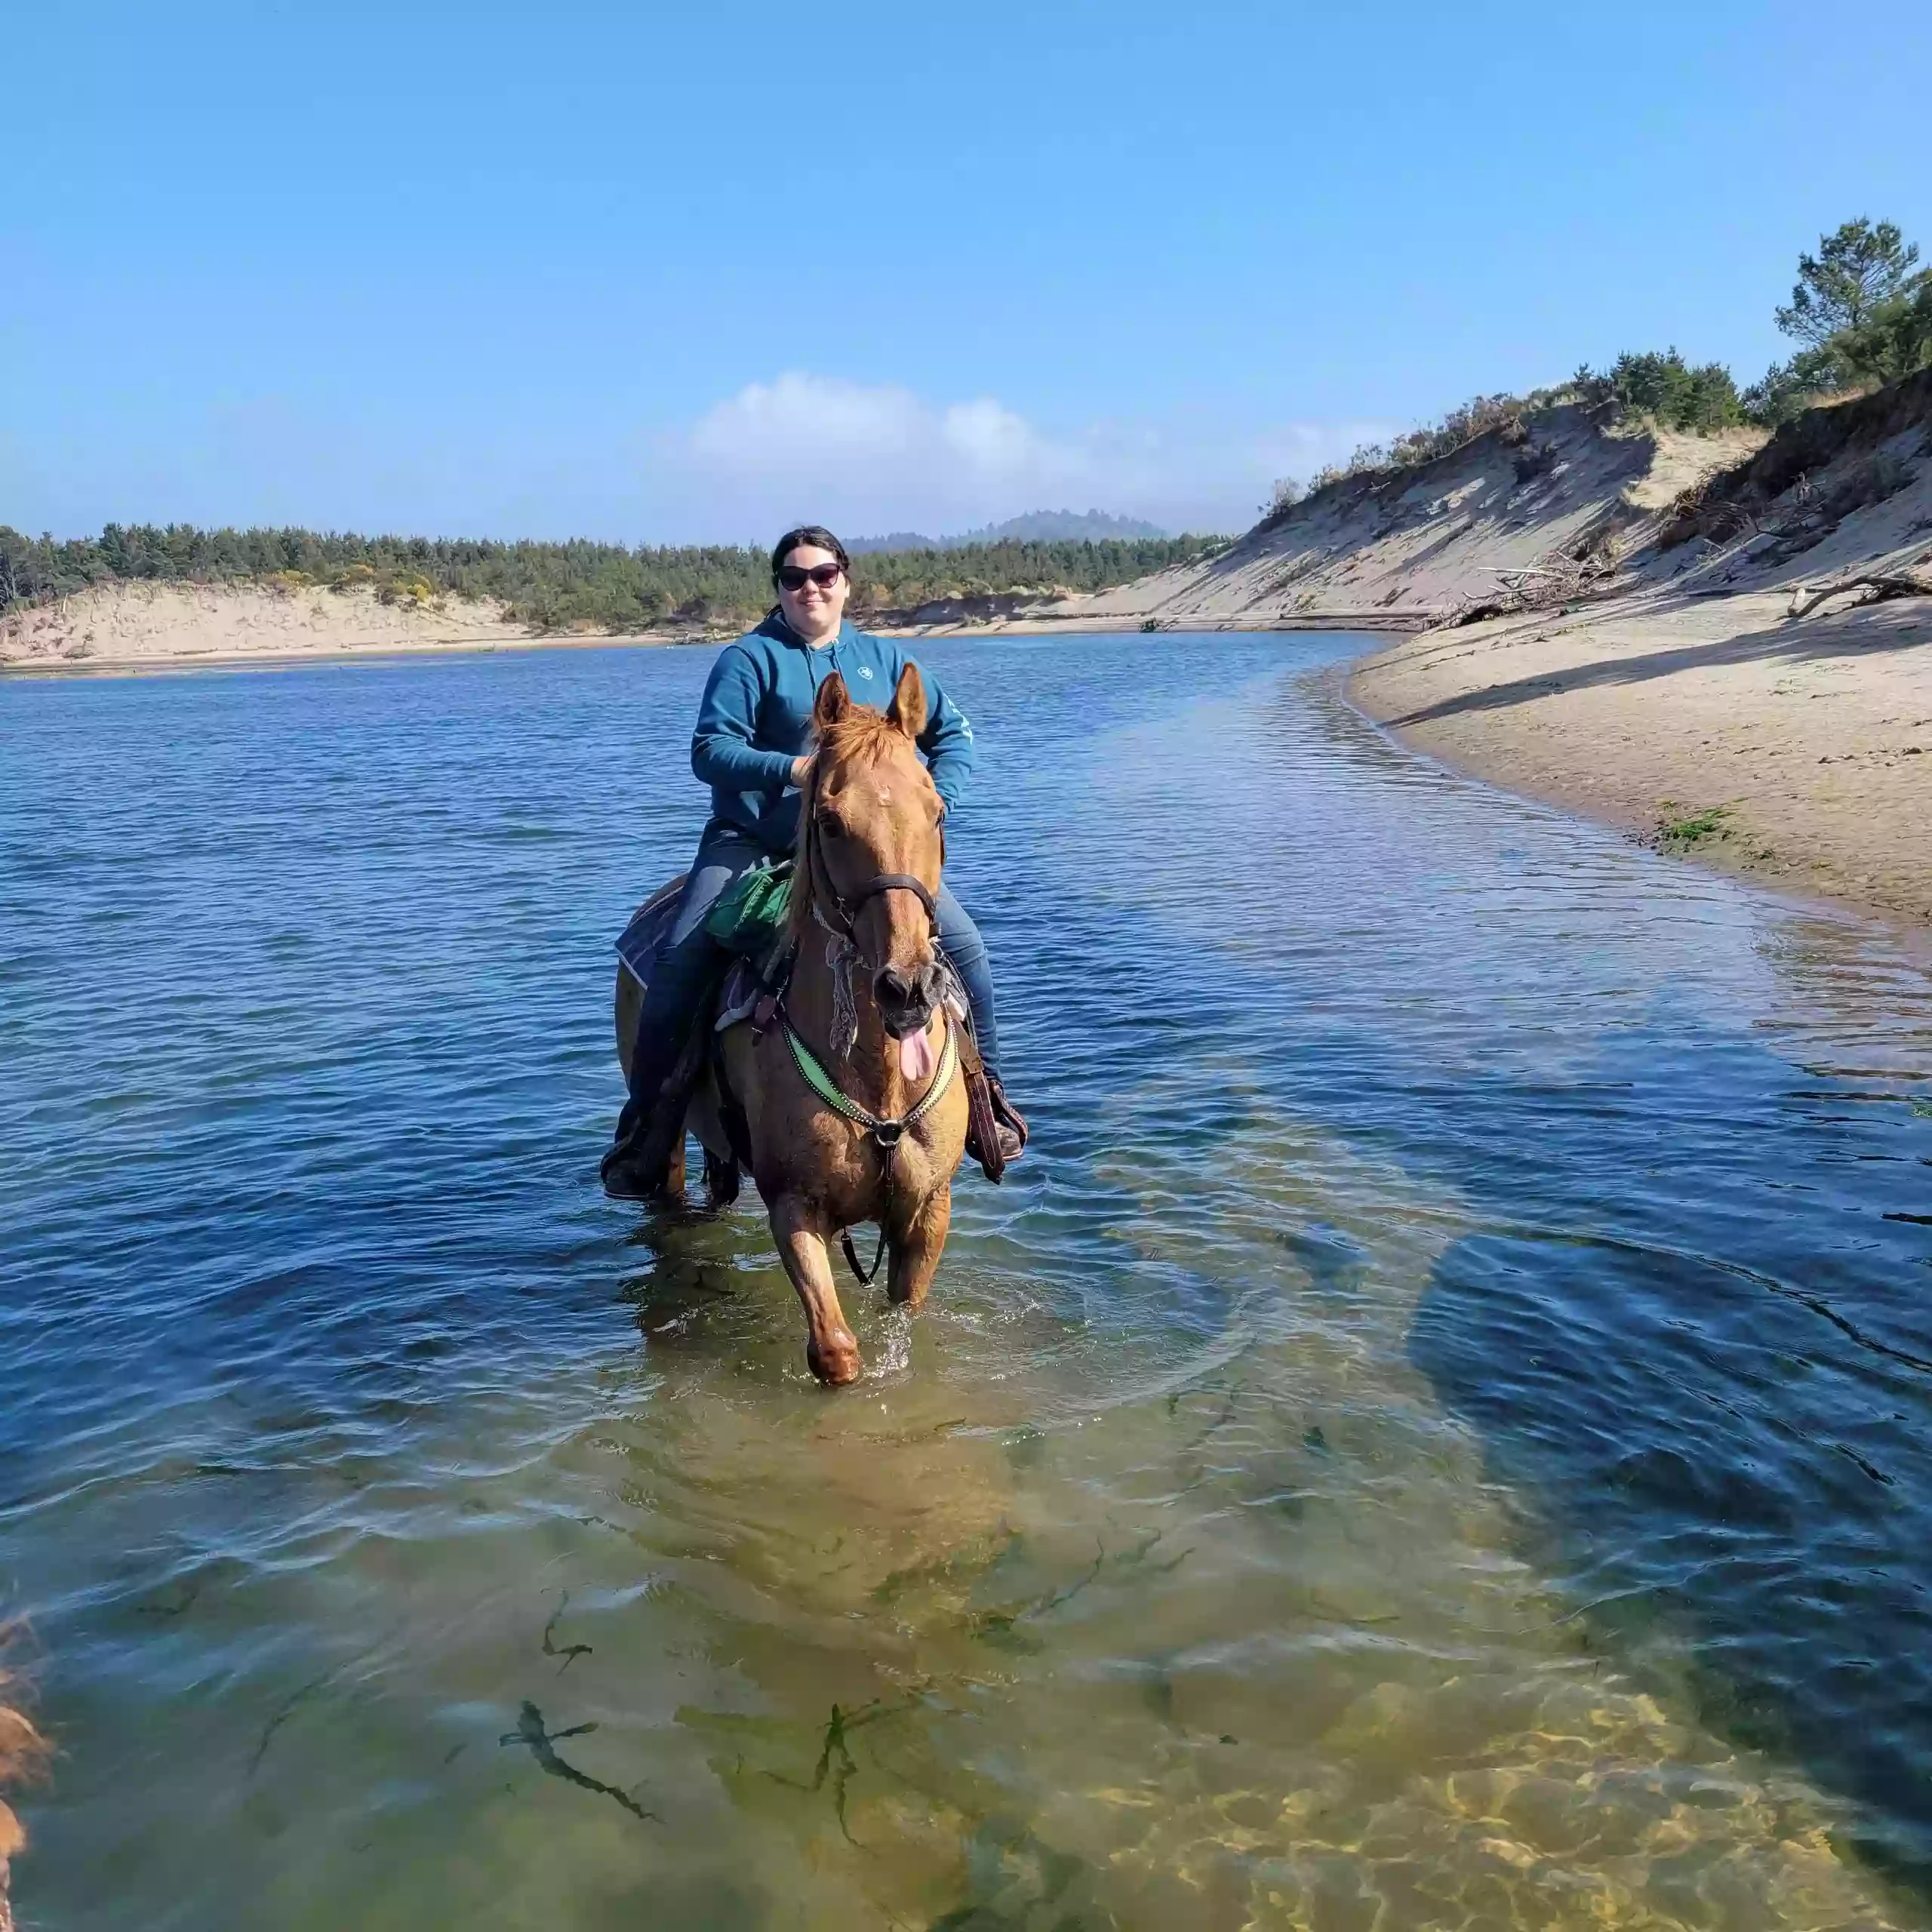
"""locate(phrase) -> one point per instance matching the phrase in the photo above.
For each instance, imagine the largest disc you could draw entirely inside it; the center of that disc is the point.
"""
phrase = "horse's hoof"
(837, 1363)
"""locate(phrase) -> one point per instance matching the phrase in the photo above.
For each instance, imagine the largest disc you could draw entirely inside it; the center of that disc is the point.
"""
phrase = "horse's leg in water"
(916, 1248)
(832, 1349)
(674, 1176)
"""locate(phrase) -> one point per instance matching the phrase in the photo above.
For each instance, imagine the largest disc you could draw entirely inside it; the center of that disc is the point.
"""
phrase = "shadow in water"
(1732, 1483)
(686, 1269)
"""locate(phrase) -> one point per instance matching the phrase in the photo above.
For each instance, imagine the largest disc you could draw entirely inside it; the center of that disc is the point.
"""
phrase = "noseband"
(848, 909)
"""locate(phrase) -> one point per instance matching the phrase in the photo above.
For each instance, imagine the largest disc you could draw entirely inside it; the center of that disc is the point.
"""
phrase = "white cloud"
(872, 456)
(868, 459)
(802, 422)
(991, 440)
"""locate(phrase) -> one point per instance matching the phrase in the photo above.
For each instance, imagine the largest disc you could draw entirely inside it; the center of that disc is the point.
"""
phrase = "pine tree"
(1861, 266)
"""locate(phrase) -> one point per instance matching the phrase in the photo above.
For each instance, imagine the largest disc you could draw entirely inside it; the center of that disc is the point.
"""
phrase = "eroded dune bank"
(1757, 688)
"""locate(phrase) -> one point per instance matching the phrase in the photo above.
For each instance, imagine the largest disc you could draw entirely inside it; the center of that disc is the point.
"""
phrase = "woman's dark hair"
(817, 536)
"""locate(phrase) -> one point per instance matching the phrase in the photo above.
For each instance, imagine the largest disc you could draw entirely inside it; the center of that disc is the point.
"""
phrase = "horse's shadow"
(686, 1263)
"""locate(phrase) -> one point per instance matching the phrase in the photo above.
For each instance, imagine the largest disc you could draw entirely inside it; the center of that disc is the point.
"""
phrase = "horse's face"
(875, 812)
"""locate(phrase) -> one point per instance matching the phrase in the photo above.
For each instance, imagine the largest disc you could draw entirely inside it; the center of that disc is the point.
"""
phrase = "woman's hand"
(801, 772)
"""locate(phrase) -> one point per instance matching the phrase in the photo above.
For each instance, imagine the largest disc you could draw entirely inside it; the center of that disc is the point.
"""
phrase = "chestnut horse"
(874, 1133)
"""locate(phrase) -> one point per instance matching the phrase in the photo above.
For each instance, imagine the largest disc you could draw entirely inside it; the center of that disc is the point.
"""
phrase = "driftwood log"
(1881, 587)
(1554, 579)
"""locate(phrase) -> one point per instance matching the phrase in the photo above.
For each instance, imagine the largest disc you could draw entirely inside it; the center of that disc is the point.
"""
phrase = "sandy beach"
(1811, 738)
(1682, 670)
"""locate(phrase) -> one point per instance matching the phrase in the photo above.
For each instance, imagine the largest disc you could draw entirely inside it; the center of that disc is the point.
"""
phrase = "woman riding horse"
(752, 747)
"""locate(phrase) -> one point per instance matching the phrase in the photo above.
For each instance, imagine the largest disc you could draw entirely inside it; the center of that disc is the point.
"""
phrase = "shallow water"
(1435, 1433)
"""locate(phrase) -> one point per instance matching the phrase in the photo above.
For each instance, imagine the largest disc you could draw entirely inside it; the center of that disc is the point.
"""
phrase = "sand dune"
(148, 626)
(1400, 552)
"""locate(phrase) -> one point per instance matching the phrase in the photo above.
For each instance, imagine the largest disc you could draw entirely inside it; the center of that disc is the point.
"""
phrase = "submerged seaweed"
(541, 1745)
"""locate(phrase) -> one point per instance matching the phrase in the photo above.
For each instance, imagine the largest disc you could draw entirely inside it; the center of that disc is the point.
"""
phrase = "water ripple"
(1434, 1434)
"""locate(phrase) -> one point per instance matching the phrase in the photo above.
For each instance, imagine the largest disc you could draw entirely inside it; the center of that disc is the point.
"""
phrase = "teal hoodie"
(757, 718)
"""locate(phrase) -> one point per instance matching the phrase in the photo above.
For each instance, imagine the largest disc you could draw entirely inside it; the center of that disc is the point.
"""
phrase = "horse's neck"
(872, 1076)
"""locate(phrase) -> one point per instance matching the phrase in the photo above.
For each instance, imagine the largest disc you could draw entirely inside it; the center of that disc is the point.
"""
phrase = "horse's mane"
(864, 735)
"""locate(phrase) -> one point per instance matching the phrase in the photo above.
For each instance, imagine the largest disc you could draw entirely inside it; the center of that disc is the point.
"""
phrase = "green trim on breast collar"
(886, 1132)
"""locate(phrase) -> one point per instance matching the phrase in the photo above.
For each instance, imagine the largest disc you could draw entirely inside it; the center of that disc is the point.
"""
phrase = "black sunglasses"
(792, 577)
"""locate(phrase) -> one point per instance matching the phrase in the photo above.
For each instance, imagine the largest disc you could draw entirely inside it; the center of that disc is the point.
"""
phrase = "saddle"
(749, 922)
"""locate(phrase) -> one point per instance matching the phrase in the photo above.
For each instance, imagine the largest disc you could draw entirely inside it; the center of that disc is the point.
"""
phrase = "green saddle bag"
(750, 918)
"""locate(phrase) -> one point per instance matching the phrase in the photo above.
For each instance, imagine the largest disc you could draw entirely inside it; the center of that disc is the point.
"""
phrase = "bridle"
(849, 909)
(842, 952)
(846, 911)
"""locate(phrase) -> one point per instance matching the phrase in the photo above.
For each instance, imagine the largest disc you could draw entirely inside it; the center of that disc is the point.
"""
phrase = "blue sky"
(669, 274)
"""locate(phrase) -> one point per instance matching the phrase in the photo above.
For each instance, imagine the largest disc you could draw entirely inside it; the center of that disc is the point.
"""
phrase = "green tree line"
(556, 586)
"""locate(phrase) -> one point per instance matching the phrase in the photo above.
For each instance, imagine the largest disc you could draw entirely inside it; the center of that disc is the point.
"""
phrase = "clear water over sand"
(1435, 1434)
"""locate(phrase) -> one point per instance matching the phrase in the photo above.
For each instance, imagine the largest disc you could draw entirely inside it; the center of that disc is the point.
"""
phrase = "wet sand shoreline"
(277, 637)
(1797, 753)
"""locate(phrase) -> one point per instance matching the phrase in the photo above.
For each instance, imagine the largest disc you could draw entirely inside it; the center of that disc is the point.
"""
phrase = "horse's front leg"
(832, 1349)
(915, 1249)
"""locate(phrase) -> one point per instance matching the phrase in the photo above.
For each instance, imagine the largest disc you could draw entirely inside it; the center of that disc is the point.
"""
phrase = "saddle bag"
(751, 915)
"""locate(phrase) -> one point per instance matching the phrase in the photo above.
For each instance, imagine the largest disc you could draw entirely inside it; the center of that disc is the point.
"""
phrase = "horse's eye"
(832, 825)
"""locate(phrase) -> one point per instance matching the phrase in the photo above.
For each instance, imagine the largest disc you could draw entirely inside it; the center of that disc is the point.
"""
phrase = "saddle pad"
(738, 998)
(639, 943)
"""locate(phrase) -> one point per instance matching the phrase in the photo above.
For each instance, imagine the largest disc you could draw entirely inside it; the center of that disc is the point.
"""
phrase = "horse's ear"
(908, 708)
(833, 703)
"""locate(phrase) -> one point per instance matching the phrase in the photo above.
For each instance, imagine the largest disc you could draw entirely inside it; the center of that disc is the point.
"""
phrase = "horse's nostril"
(893, 986)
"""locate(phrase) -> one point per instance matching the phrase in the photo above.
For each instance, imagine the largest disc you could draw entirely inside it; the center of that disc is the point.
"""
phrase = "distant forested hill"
(894, 540)
(1063, 526)
(1035, 526)
(557, 586)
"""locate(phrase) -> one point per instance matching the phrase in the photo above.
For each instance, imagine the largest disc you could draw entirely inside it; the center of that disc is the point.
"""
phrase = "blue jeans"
(690, 957)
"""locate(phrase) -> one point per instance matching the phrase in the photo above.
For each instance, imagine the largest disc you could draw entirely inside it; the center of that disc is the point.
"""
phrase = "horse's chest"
(847, 1173)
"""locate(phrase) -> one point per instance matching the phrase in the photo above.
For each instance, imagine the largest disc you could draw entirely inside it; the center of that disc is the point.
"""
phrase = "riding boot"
(633, 1168)
(1014, 1132)
(626, 1170)
(684, 974)
(651, 1130)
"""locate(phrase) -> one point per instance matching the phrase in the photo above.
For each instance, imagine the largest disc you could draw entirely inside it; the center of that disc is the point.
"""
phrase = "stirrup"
(993, 1123)
(1011, 1122)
